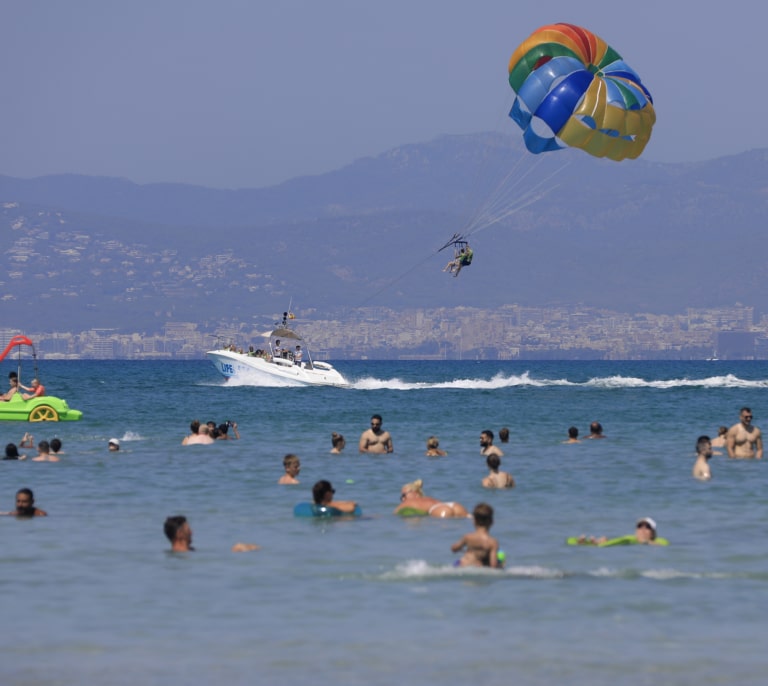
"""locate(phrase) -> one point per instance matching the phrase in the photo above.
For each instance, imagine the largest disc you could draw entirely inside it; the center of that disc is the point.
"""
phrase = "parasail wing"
(574, 90)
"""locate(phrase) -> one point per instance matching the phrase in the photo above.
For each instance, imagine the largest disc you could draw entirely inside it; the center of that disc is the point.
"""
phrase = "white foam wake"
(526, 380)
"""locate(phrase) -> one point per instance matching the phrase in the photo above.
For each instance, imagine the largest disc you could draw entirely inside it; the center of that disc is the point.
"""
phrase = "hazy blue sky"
(245, 93)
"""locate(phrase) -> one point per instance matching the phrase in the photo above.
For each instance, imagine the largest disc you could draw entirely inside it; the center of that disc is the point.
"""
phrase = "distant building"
(736, 345)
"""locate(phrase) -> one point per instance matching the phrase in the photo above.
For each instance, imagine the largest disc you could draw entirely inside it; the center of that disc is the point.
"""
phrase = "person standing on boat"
(375, 439)
(297, 355)
(277, 351)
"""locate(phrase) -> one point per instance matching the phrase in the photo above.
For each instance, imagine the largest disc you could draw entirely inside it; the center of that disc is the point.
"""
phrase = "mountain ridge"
(635, 236)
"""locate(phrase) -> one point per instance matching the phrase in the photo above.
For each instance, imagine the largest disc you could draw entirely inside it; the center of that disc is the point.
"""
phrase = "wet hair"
(172, 526)
(596, 428)
(55, 444)
(414, 487)
(26, 491)
(11, 452)
(290, 460)
(320, 489)
(504, 435)
(223, 429)
(722, 431)
(44, 447)
(488, 432)
(483, 515)
(493, 462)
(194, 426)
(745, 409)
(337, 440)
(701, 443)
(432, 443)
(573, 432)
(377, 416)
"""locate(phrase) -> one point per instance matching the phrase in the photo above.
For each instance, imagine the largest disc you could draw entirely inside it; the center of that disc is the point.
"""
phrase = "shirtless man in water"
(743, 440)
(375, 439)
(701, 469)
(487, 448)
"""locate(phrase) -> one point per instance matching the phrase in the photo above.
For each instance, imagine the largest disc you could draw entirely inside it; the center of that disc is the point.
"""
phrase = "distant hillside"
(633, 236)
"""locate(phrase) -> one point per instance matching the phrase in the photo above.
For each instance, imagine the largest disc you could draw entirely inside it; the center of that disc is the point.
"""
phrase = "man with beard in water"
(375, 439)
(744, 440)
(25, 505)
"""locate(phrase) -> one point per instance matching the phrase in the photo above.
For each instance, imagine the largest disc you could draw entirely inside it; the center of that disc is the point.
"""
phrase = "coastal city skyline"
(506, 333)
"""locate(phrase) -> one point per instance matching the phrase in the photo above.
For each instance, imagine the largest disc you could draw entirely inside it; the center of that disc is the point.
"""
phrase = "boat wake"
(526, 380)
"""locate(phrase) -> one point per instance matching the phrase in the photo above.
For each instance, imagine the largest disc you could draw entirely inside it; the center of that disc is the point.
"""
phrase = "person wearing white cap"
(645, 532)
(114, 444)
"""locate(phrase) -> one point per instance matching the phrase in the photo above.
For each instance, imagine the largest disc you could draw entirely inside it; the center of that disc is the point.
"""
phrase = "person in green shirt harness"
(462, 259)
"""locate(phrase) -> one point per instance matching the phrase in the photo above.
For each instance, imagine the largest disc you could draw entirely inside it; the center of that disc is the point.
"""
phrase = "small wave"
(423, 570)
(132, 436)
(667, 574)
(420, 569)
(727, 381)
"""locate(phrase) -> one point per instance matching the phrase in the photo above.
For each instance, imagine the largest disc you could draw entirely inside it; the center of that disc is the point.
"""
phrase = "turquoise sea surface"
(92, 595)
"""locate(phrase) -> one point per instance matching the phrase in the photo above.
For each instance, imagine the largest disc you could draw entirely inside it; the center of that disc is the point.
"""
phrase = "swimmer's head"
(413, 487)
(432, 443)
(25, 502)
(649, 524)
(493, 462)
(321, 490)
(177, 528)
(483, 515)
(291, 461)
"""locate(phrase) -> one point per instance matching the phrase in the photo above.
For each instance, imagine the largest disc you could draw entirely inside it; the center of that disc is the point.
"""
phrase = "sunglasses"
(644, 525)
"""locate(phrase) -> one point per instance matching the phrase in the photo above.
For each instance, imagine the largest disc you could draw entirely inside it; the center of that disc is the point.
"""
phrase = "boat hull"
(260, 371)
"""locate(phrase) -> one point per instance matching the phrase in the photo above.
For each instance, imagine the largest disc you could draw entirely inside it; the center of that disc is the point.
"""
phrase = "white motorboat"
(286, 358)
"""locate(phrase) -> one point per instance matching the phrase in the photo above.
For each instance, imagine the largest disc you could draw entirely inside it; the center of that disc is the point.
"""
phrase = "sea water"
(92, 595)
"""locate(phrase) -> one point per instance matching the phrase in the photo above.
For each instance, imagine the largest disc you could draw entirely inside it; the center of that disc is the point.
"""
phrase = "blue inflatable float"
(312, 510)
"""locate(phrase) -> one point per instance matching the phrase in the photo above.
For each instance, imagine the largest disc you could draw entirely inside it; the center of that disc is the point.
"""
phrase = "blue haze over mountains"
(637, 236)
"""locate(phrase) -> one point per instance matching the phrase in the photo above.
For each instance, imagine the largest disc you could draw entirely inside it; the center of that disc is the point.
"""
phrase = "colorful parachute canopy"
(573, 89)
